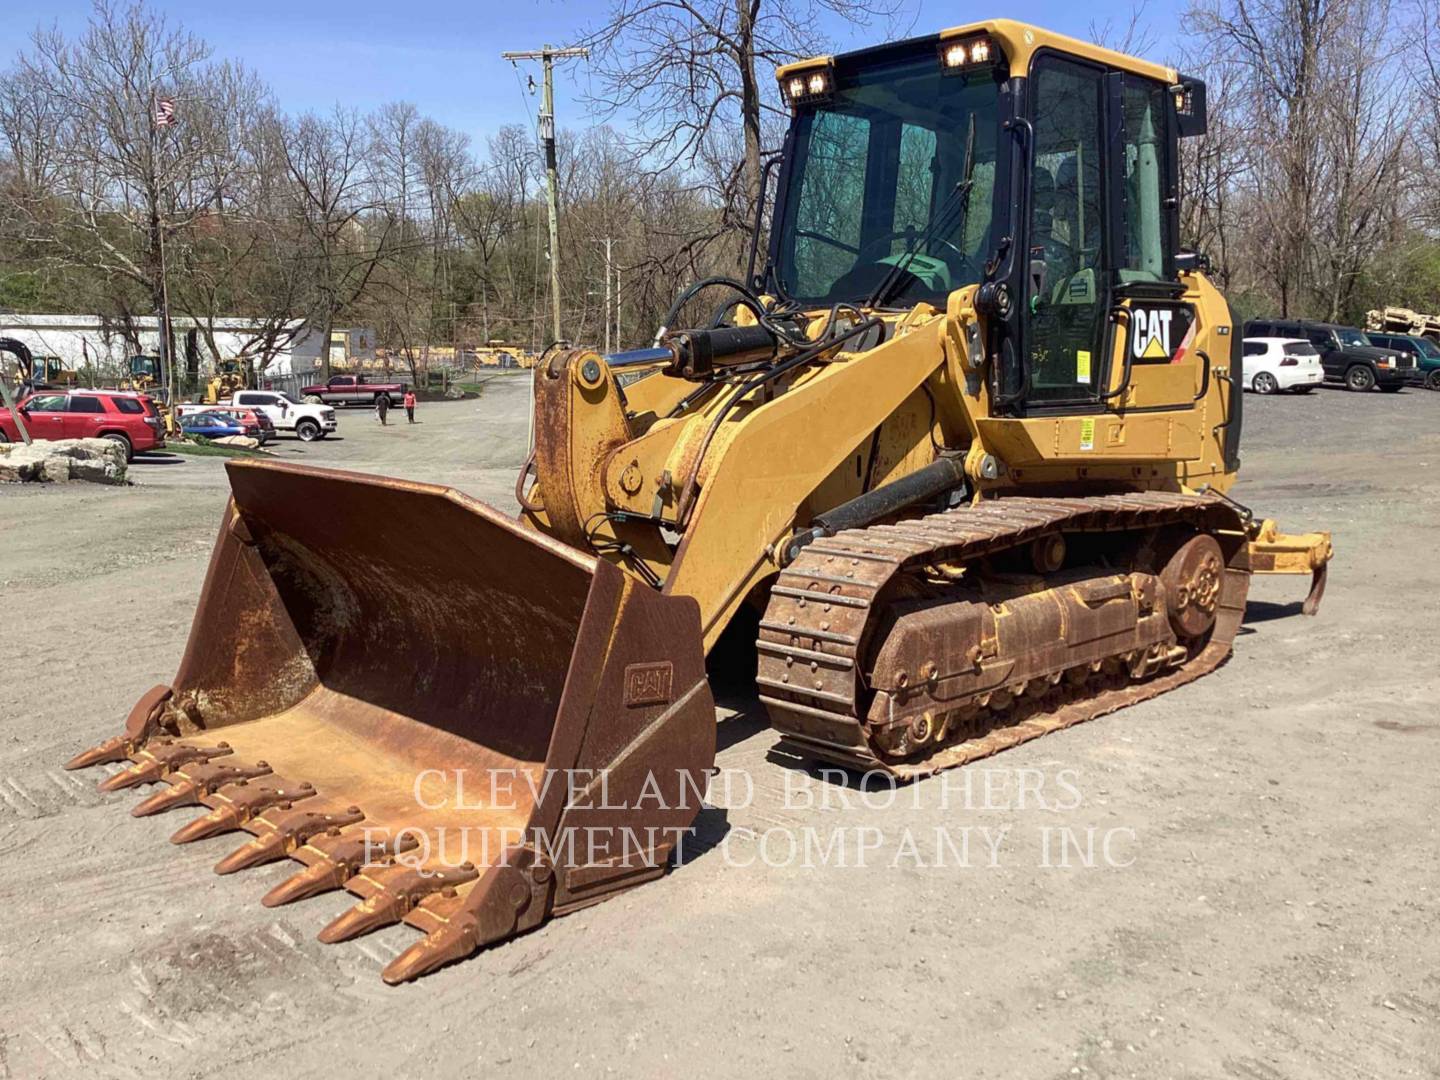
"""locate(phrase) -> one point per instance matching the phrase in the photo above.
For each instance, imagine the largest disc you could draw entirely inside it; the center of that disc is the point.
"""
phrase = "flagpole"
(167, 361)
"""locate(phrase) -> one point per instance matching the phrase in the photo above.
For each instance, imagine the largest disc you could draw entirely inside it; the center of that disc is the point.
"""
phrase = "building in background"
(98, 348)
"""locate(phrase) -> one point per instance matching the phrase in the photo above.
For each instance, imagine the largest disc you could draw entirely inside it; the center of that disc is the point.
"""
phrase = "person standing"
(410, 405)
(382, 407)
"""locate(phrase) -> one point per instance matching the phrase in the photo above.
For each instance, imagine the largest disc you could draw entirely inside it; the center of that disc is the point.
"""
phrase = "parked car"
(1425, 351)
(309, 422)
(1272, 364)
(128, 418)
(353, 390)
(1345, 353)
(247, 417)
(213, 424)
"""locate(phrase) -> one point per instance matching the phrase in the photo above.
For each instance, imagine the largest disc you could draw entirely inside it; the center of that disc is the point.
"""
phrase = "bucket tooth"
(338, 857)
(191, 783)
(453, 941)
(116, 749)
(289, 830)
(401, 888)
(319, 877)
(160, 757)
(240, 802)
(506, 900)
(139, 726)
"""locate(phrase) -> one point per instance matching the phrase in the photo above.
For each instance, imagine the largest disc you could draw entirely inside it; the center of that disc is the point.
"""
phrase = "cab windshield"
(874, 167)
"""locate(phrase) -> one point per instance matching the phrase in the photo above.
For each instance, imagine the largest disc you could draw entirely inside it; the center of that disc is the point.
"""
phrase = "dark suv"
(1346, 354)
(1425, 351)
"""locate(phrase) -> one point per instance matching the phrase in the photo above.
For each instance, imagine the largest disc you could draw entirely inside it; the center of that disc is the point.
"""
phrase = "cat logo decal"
(1150, 333)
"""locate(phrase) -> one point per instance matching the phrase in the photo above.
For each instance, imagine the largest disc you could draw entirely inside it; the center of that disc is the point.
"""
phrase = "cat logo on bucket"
(1150, 333)
(649, 684)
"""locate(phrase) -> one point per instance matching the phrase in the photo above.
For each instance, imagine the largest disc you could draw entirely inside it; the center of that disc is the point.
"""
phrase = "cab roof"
(1019, 41)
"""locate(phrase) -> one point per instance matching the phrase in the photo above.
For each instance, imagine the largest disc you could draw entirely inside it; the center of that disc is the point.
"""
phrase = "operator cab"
(1040, 168)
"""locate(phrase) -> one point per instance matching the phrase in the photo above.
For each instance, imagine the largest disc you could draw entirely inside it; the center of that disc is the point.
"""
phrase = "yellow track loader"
(951, 464)
(230, 376)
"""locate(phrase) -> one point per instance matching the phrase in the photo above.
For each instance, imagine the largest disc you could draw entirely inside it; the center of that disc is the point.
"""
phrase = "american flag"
(164, 112)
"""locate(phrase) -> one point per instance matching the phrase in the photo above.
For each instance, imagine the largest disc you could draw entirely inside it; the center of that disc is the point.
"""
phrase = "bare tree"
(1212, 169)
(698, 70)
(30, 122)
(489, 210)
(1134, 35)
(120, 187)
(1325, 113)
(327, 162)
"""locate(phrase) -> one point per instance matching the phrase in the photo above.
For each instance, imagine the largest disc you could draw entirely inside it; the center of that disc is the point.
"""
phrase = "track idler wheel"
(1192, 580)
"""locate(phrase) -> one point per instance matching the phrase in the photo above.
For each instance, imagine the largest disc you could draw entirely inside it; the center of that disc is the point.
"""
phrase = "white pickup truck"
(308, 422)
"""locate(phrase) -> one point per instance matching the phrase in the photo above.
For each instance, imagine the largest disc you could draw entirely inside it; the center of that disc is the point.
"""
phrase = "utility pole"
(547, 56)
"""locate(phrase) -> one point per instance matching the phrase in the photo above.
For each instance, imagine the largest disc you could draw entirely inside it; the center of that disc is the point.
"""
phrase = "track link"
(826, 603)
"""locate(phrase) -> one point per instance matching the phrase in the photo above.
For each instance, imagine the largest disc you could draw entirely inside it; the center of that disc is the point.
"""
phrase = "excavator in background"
(33, 372)
(51, 372)
(18, 370)
(948, 471)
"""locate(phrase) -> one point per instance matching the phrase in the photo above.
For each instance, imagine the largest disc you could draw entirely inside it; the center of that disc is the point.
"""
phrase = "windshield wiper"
(959, 198)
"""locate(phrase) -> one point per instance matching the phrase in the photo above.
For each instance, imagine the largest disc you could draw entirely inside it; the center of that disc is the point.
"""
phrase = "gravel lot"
(1268, 907)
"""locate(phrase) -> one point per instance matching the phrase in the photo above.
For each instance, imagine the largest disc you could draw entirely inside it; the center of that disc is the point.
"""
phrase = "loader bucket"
(466, 723)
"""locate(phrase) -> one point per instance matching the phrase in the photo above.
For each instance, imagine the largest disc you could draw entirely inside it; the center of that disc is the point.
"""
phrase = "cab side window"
(86, 405)
(1146, 152)
(1065, 305)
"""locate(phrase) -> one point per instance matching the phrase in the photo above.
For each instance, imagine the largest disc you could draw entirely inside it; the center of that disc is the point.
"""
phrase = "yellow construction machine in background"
(230, 376)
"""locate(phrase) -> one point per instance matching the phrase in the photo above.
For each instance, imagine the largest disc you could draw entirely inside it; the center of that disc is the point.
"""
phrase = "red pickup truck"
(353, 390)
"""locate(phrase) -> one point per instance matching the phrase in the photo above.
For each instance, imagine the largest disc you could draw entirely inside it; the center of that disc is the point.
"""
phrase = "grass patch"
(203, 447)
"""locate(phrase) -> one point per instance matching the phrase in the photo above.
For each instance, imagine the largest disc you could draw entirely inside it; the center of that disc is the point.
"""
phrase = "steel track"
(825, 605)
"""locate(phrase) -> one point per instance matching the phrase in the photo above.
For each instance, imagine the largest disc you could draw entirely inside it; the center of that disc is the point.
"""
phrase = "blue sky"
(444, 55)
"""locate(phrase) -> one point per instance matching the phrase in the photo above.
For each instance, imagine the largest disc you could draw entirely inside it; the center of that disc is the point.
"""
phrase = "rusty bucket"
(467, 724)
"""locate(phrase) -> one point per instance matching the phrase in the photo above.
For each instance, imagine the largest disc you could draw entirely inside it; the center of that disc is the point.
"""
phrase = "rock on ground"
(100, 461)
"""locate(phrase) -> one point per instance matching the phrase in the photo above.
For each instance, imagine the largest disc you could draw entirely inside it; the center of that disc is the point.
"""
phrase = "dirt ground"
(1260, 903)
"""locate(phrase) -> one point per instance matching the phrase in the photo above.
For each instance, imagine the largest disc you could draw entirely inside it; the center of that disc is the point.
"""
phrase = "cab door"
(1068, 298)
(1107, 325)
